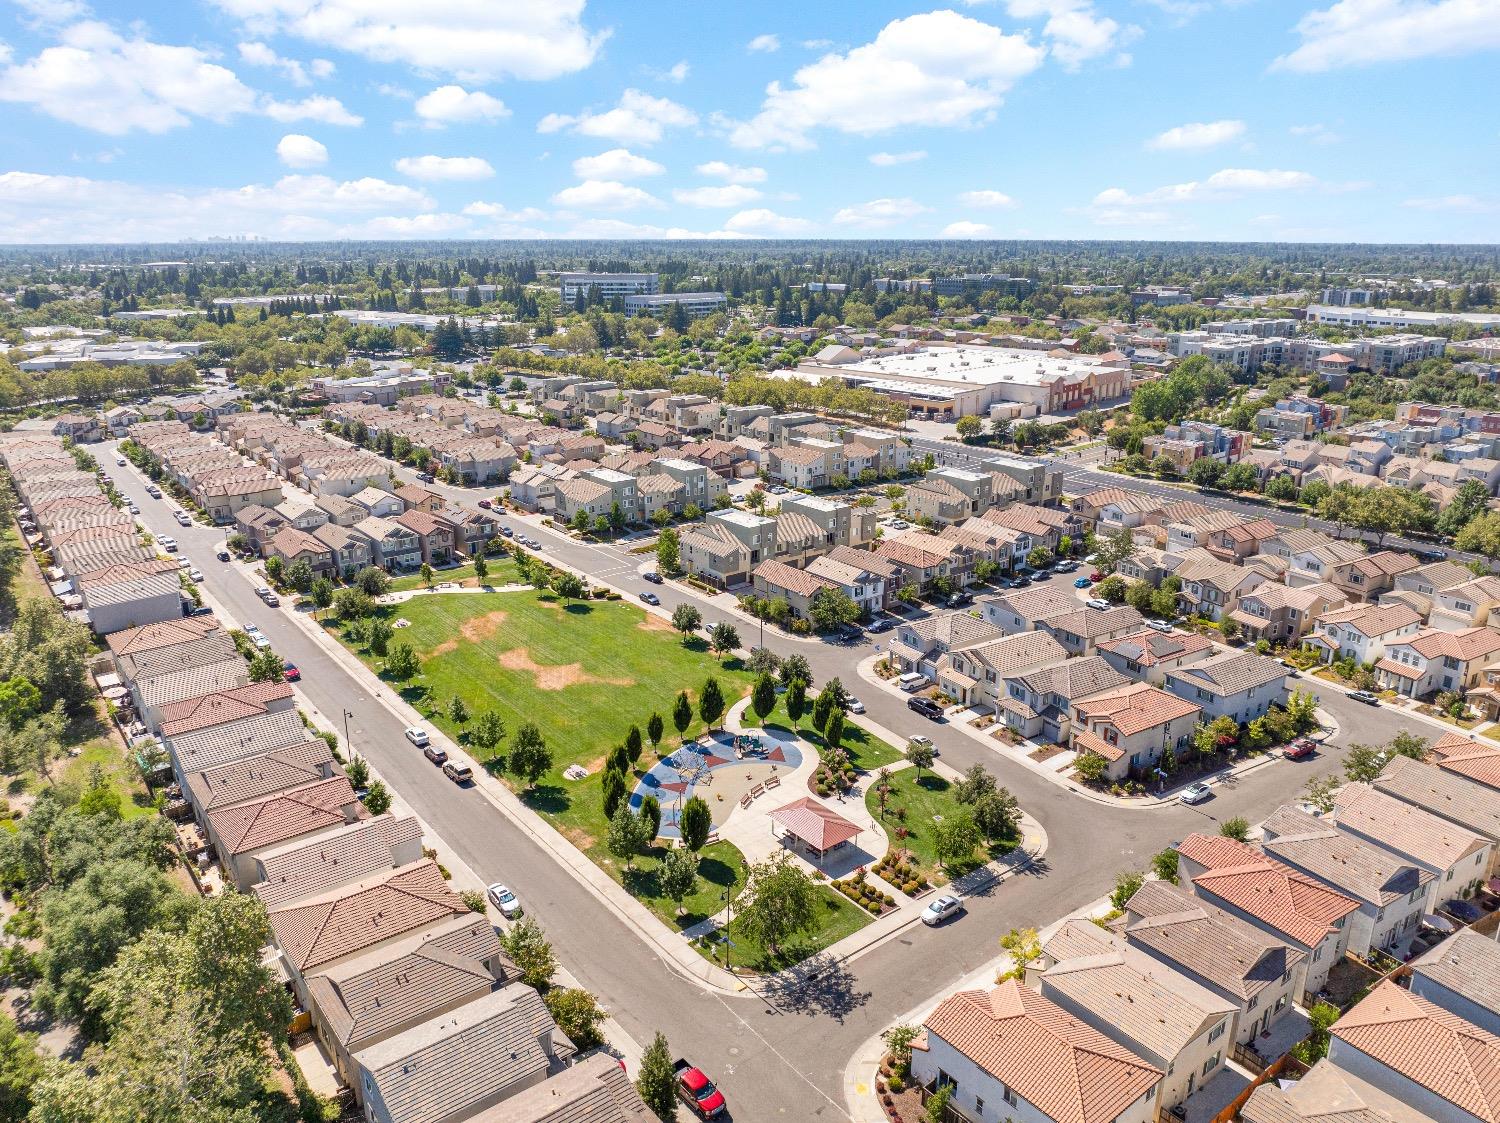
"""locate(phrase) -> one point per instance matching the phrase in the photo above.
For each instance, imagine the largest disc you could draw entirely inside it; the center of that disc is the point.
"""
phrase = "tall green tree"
(627, 835)
(711, 702)
(678, 874)
(686, 619)
(529, 756)
(763, 697)
(779, 901)
(682, 715)
(668, 553)
(695, 823)
(657, 1082)
(531, 952)
(655, 727)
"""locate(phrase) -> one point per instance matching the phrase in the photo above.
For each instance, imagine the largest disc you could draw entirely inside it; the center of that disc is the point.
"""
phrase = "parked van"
(912, 681)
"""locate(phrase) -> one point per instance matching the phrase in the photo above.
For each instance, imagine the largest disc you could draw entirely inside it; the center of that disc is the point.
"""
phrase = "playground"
(722, 768)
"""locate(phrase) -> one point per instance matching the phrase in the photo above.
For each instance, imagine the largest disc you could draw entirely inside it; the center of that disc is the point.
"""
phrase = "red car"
(1097, 575)
(290, 672)
(698, 1091)
(486, 504)
(1300, 748)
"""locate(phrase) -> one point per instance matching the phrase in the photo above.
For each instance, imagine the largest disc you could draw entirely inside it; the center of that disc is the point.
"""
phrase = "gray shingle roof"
(298, 870)
(235, 740)
(1359, 868)
(594, 1090)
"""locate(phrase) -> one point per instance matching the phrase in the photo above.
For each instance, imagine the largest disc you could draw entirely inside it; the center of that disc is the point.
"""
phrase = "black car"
(653, 577)
(1019, 581)
(879, 626)
(960, 600)
(926, 707)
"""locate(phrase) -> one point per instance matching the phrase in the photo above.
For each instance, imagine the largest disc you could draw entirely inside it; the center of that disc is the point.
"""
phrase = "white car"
(941, 909)
(120, 461)
(1158, 625)
(183, 562)
(260, 641)
(167, 543)
(1196, 793)
(504, 900)
(417, 737)
(1097, 602)
(183, 518)
(856, 706)
(195, 574)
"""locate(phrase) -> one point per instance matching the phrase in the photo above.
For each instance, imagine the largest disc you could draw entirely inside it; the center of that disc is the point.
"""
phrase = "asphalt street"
(777, 1055)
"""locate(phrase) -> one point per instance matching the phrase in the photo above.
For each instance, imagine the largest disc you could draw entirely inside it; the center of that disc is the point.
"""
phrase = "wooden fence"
(1286, 1066)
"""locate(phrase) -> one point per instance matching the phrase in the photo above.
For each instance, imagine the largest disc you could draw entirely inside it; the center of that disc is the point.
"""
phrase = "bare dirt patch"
(557, 677)
(482, 627)
(443, 648)
(579, 838)
(654, 623)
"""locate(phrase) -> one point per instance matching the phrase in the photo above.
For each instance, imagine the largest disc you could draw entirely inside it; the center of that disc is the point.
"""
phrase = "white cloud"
(98, 79)
(5, 52)
(1317, 133)
(732, 173)
(52, 12)
(454, 105)
(319, 107)
(878, 212)
(676, 73)
(968, 230)
(475, 40)
(764, 43)
(52, 208)
(927, 70)
(1228, 183)
(296, 150)
(1075, 31)
(502, 213)
(638, 119)
(619, 228)
(763, 223)
(891, 159)
(726, 195)
(1364, 32)
(617, 163)
(1459, 204)
(986, 199)
(444, 167)
(604, 195)
(817, 44)
(1201, 134)
(260, 54)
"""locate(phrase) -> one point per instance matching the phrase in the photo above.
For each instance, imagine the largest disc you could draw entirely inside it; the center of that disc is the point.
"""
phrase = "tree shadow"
(824, 987)
(696, 644)
(578, 608)
(549, 799)
(414, 694)
(641, 882)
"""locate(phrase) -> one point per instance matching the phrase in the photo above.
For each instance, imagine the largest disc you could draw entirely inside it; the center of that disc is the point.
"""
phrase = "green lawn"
(865, 750)
(502, 571)
(20, 579)
(925, 799)
(583, 672)
(720, 864)
(837, 917)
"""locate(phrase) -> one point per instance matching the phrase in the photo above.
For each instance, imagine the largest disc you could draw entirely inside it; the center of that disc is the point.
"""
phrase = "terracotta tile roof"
(239, 781)
(1327, 1094)
(286, 815)
(1396, 825)
(1085, 741)
(167, 633)
(909, 553)
(221, 706)
(1039, 522)
(1135, 708)
(1471, 643)
(1432, 1048)
(779, 575)
(1068, 1070)
(351, 919)
(814, 823)
(863, 559)
(1270, 891)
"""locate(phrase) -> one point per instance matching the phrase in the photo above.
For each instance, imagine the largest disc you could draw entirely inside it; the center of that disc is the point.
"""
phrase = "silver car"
(941, 909)
(504, 900)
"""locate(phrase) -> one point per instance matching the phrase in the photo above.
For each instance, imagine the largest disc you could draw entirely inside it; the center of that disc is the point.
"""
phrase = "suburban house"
(924, 558)
(377, 503)
(1392, 892)
(1237, 684)
(140, 598)
(1081, 631)
(351, 553)
(1147, 655)
(1282, 615)
(593, 1090)
(1466, 606)
(841, 523)
(1280, 901)
(1132, 727)
(1038, 704)
(1361, 632)
(1110, 510)
(1010, 1054)
(860, 584)
(242, 832)
(1462, 975)
(1458, 859)
(1452, 797)
(1431, 661)
(1325, 1094)
(392, 545)
(1212, 588)
(1160, 1015)
(976, 672)
(919, 644)
(773, 579)
(300, 870)
(1258, 972)
(1369, 575)
(434, 534)
(292, 546)
(291, 767)
(1464, 756)
(1025, 609)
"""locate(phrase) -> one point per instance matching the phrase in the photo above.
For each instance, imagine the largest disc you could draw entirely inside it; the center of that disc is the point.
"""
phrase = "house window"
(1009, 1096)
(1217, 1032)
(1212, 1063)
(979, 1104)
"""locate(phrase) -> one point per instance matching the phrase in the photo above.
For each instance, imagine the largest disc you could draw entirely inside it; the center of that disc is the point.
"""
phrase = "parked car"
(1082, 583)
(1196, 793)
(260, 641)
(1018, 581)
(195, 574)
(879, 626)
(1300, 748)
(649, 597)
(120, 461)
(271, 599)
(505, 530)
(1467, 911)
(436, 755)
(486, 504)
(183, 518)
(132, 508)
(1097, 575)
(1364, 696)
(167, 543)
(426, 477)
(504, 900)
(926, 707)
(1042, 575)
(460, 774)
(417, 737)
(941, 909)
(1067, 565)
(960, 600)
(1158, 625)
(697, 1090)
(1097, 602)
(855, 706)
(290, 672)
(201, 610)
(653, 577)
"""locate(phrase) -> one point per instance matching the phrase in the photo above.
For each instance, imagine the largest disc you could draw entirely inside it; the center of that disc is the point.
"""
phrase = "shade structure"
(814, 824)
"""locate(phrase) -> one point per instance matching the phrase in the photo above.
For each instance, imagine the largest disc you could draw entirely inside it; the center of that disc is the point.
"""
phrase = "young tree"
(300, 575)
(358, 771)
(488, 731)
(633, 744)
(920, 755)
(426, 572)
(763, 697)
(997, 814)
(955, 839)
(275, 569)
(322, 593)
(833, 732)
(577, 1014)
(655, 727)
(529, 949)
(682, 715)
(1363, 763)
(796, 700)
(678, 874)
(976, 783)
(823, 707)
(778, 902)
(1164, 865)
(569, 586)
(1237, 828)
(651, 816)
(686, 619)
(612, 792)
(657, 1082)
(265, 666)
(377, 798)
(795, 668)
(1024, 947)
(458, 710)
(1320, 793)
(381, 633)
(1126, 884)
(723, 638)
(695, 823)
(831, 608)
(481, 568)
(402, 663)
(627, 835)
(711, 702)
(899, 1040)
(529, 756)
(668, 553)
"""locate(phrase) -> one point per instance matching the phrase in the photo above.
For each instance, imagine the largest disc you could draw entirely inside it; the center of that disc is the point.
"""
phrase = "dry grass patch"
(556, 677)
(654, 623)
(482, 627)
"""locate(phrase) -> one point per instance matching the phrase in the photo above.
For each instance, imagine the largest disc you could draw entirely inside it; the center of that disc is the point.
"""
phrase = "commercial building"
(1395, 317)
(609, 286)
(973, 284)
(695, 304)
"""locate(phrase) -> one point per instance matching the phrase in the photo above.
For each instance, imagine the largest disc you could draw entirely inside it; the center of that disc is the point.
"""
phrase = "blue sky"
(1276, 120)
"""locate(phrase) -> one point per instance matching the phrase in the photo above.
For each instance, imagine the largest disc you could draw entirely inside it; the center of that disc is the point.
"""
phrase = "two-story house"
(1369, 575)
(1237, 684)
(1132, 727)
(392, 546)
(1038, 704)
(1147, 655)
(976, 673)
(1361, 632)
(1212, 588)
(1458, 859)
(1469, 605)
(1282, 615)
(1432, 661)
(1080, 632)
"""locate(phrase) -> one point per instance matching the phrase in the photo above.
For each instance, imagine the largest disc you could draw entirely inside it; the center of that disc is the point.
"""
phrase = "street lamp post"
(347, 742)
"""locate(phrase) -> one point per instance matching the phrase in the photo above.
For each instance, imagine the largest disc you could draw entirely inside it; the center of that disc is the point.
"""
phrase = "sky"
(1259, 120)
